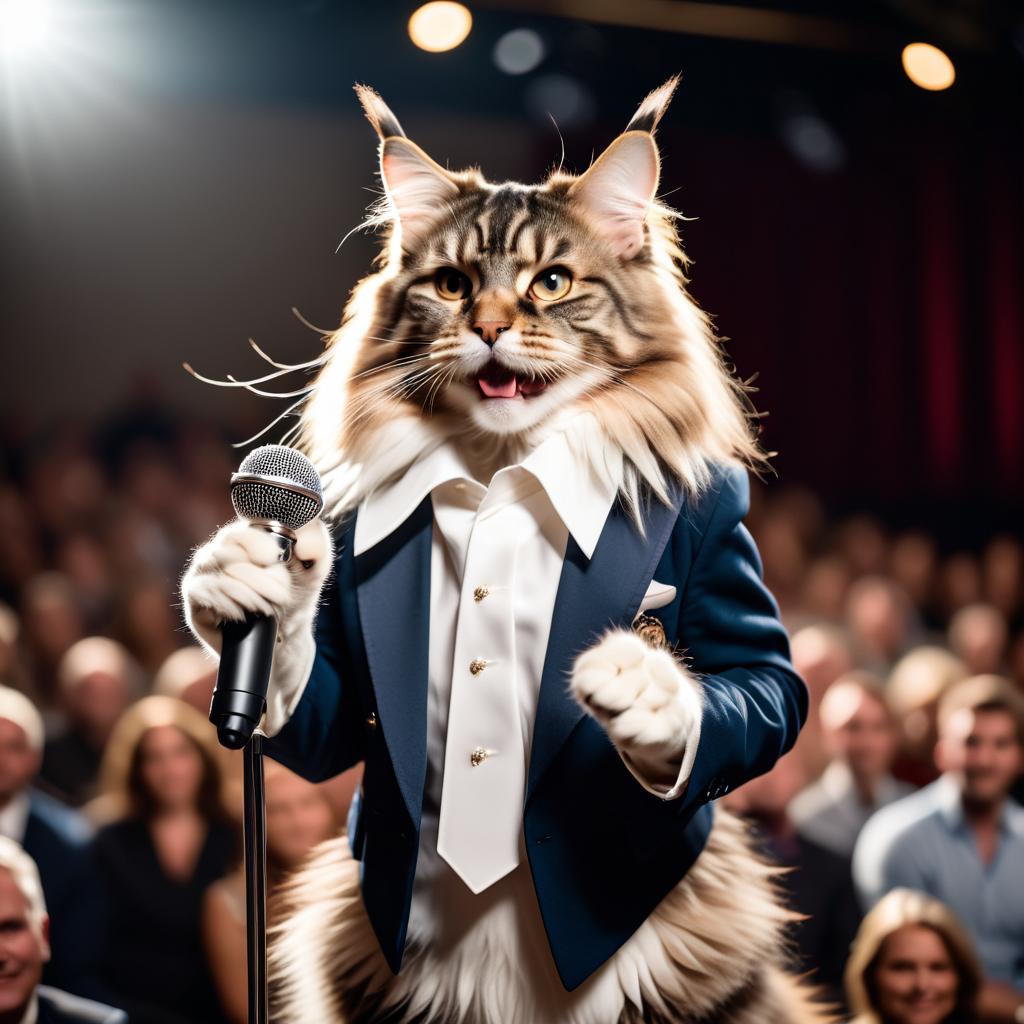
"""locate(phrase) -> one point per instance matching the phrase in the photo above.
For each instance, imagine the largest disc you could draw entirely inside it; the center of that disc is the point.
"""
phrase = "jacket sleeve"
(733, 641)
(324, 734)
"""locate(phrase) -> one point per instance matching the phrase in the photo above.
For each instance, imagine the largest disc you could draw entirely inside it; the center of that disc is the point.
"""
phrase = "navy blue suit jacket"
(59, 840)
(56, 1007)
(603, 851)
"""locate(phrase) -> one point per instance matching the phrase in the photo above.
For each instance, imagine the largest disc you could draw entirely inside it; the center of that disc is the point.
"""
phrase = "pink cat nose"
(490, 329)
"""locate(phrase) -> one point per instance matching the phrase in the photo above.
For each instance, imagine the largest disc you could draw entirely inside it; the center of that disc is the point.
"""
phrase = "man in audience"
(25, 949)
(97, 680)
(860, 735)
(57, 839)
(967, 847)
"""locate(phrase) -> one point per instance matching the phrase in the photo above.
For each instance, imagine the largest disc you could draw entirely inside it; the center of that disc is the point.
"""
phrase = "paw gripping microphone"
(278, 489)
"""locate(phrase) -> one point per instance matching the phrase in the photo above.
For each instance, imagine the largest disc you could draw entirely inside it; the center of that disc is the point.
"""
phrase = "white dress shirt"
(14, 818)
(536, 505)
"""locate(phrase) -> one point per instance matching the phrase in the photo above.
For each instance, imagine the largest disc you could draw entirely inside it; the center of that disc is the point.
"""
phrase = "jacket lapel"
(593, 596)
(393, 588)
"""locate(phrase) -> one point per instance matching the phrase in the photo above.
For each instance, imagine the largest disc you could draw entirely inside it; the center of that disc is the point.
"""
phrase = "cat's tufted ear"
(416, 186)
(619, 186)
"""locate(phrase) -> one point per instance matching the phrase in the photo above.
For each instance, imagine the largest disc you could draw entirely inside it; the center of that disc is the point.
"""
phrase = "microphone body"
(278, 489)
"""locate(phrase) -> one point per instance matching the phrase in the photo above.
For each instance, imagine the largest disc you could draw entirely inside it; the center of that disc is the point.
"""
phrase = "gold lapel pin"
(650, 630)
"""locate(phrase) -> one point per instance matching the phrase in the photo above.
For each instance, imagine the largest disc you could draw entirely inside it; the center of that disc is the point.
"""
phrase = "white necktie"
(485, 766)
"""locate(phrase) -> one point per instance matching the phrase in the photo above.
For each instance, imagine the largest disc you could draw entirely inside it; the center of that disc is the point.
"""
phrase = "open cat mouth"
(497, 381)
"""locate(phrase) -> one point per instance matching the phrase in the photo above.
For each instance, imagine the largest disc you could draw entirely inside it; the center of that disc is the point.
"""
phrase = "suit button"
(480, 593)
(477, 665)
(371, 719)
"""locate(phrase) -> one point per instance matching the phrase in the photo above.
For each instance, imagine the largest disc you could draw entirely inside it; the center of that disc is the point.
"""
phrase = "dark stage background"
(175, 177)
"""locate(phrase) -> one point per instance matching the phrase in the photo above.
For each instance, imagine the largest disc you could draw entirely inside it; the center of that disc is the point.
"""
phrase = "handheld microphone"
(277, 489)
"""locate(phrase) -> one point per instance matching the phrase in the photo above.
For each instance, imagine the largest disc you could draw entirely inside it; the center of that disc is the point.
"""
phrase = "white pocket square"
(658, 595)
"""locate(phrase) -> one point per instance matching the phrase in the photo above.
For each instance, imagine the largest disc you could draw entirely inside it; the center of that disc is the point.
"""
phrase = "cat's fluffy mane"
(652, 428)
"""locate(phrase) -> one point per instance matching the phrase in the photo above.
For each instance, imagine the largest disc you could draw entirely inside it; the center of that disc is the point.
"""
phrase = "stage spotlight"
(928, 67)
(24, 25)
(519, 51)
(440, 26)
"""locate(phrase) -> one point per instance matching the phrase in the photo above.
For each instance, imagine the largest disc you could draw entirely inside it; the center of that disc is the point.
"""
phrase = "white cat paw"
(238, 571)
(647, 702)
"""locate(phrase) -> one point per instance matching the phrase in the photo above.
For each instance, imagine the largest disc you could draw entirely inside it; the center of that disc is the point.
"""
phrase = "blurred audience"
(965, 844)
(168, 837)
(95, 527)
(860, 736)
(299, 816)
(57, 839)
(912, 963)
(97, 681)
(978, 637)
(914, 689)
(25, 949)
(881, 621)
(819, 887)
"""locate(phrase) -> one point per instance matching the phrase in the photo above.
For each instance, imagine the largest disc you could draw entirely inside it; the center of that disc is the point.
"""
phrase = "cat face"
(508, 303)
(496, 308)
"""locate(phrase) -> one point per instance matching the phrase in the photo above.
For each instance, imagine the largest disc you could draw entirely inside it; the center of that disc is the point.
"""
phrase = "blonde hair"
(902, 908)
(25, 875)
(123, 792)
(922, 676)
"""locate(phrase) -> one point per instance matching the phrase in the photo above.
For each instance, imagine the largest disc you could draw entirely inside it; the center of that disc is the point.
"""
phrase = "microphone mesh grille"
(273, 499)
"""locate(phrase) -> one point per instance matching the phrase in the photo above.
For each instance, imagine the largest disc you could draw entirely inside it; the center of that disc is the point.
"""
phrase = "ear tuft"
(615, 192)
(378, 113)
(417, 187)
(650, 112)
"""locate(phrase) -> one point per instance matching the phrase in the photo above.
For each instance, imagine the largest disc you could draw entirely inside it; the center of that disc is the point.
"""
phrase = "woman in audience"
(168, 837)
(912, 963)
(299, 816)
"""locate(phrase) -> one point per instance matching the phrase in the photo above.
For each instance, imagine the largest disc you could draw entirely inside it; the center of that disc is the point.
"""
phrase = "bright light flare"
(440, 26)
(928, 67)
(24, 25)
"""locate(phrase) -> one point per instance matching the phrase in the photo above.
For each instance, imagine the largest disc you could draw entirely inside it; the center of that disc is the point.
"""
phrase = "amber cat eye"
(452, 284)
(553, 283)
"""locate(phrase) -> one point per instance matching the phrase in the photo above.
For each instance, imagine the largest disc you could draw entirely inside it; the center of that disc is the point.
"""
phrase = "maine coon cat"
(498, 316)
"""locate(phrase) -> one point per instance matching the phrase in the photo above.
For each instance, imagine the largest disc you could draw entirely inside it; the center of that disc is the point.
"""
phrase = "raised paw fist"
(646, 700)
(239, 571)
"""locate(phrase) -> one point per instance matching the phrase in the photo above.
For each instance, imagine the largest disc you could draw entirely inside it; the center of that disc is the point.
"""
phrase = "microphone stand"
(255, 830)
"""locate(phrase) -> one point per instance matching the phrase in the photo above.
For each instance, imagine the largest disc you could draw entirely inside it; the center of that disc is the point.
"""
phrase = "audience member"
(821, 654)
(959, 584)
(299, 816)
(881, 621)
(860, 736)
(57, 839)
(189, 674)
(912, 566)
(169, 837)
(820, 887)
(823, 593)
(1003, 574)
(25, 949)
(967, 849)
(51, 622)
(97, 680)
(978, 636)
(912, 963)
(914, 688)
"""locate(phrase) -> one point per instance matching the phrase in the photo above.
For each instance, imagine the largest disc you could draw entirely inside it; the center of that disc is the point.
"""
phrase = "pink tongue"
(505, 389)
